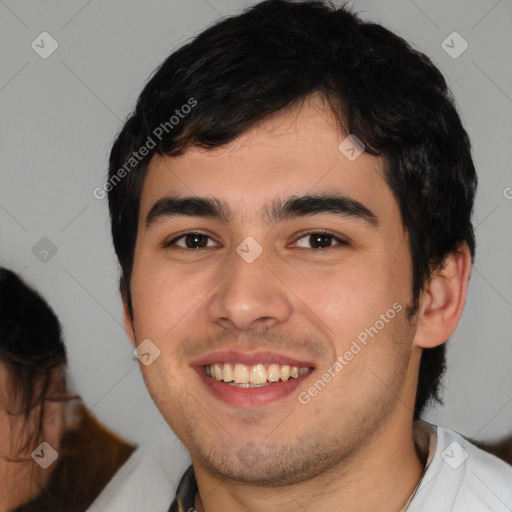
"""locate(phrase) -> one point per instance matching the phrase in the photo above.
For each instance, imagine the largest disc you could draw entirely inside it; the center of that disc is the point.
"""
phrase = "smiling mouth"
(255, 376)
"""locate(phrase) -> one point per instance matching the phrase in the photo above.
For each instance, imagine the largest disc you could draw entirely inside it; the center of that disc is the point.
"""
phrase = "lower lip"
(251, 397)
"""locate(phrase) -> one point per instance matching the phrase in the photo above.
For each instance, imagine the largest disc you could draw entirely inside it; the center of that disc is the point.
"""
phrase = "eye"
(191, 240)
(319, 240)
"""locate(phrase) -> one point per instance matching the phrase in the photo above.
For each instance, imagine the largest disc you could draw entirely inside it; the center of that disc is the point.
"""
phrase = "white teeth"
(217, 370)
(256, 375)
(227, 374)
(241, 374)
(273, 373)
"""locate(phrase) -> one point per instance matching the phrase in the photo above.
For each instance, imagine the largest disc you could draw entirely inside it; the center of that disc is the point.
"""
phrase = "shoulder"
(147, 481)
(462, 477)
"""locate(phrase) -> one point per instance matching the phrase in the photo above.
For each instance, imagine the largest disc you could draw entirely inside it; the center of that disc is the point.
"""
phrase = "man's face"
(298, 293)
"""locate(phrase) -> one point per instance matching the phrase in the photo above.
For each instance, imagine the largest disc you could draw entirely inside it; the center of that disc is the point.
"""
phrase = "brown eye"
(319, 240)
(192, 241)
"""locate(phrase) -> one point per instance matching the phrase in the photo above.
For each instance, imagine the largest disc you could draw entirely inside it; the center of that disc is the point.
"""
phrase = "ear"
(443, 300)
(128, 323)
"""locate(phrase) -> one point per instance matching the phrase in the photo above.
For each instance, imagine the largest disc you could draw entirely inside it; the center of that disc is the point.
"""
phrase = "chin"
(254, 466)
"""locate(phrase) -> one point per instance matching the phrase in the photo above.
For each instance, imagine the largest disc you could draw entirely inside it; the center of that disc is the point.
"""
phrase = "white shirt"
(459, 477)
(147, 481)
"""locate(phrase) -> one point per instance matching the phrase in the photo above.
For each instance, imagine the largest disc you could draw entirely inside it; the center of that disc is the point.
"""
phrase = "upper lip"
(249, 359)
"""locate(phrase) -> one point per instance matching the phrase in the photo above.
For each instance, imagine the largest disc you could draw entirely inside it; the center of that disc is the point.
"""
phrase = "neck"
(381, 476)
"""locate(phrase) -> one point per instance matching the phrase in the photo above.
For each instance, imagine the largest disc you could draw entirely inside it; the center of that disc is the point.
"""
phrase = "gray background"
(58, 119)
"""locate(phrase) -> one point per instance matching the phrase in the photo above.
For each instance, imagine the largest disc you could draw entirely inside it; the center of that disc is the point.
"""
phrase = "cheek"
(345, 299)
(160, 300)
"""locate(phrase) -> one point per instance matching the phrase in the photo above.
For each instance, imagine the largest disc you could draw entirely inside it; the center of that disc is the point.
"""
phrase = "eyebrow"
(278, 209)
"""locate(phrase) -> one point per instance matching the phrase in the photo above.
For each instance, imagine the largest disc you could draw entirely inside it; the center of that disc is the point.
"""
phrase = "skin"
(21, 479)
(351, 447)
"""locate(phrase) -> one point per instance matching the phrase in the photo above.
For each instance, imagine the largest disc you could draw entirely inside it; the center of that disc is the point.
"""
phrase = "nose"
(250, 295)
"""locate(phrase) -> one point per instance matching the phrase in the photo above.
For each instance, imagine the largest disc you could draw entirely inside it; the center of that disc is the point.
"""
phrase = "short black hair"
(275, 55)
(31, 347)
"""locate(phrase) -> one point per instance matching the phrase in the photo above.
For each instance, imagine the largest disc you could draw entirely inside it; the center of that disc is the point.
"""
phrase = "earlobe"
(442, 301)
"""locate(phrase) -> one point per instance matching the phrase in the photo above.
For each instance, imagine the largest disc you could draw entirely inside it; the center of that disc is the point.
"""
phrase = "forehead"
(290, 153)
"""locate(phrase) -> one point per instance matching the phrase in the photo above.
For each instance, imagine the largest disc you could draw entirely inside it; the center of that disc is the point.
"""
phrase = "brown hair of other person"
(90, 456)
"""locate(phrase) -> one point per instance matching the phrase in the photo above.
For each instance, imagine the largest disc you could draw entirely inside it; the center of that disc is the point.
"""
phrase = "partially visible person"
(501, 449)
(36, 406)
